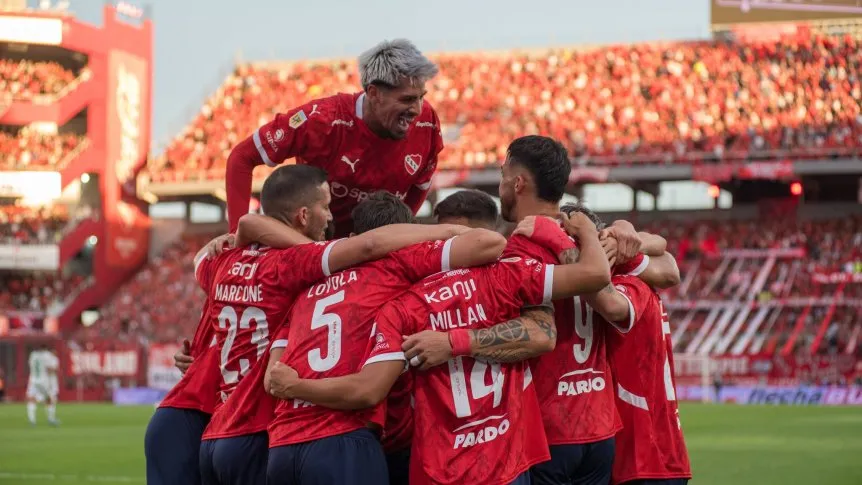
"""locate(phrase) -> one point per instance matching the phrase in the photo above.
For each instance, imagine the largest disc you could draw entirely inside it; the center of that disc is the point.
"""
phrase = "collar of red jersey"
(359, 101)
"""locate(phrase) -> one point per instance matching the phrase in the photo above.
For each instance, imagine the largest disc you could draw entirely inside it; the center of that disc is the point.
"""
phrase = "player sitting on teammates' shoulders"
(386, 137)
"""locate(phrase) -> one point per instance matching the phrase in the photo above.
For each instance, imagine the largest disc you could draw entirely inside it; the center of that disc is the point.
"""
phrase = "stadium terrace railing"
(46, 99)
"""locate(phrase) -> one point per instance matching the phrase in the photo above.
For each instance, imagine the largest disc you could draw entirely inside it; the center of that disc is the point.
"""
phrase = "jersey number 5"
(260, 338)
(332, 322)
(479, 387)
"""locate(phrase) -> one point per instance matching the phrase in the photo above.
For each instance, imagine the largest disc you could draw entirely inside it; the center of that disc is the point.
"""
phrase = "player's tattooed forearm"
(503, 333)
(544, 319)
(505, 342)
(570, 256)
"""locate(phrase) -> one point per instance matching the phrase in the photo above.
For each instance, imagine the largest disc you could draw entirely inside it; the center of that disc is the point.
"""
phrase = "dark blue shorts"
(523, 479)
(398, 463)
(172, 444)
(354, 458)
(240, 460)
(584, 464)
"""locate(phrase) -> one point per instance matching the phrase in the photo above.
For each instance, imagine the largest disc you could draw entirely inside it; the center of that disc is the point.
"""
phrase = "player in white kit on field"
(42, 385)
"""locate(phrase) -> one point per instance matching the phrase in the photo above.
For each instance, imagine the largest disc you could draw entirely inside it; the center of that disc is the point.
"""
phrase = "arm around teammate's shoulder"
(662, 272)
(361, 390)
(267, 231)
(475, 248)
(379, 242)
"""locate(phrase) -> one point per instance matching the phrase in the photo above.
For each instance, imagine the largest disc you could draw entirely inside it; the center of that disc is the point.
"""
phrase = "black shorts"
(239, 460)
(171, 446)
(582, 464)
(354, 458)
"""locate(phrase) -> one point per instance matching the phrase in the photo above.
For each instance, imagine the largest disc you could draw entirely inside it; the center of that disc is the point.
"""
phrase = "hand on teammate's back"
(428, 348)
(183, 358)
(281, 378)
(219, 244)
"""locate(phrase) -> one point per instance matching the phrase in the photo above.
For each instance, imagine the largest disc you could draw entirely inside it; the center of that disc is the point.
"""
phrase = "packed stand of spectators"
(36, 291)
(32, 225)
(683, 102)
(31, 150)
(162, 303)
(830, 246)
(25, 79)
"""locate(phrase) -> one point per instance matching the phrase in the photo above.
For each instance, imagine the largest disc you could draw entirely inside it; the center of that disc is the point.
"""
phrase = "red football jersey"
(573, 381)
(650, 445)
(474, 422)
(249, 408)
(329, 328)
(329, 133)
(251, 291)
(198, 388)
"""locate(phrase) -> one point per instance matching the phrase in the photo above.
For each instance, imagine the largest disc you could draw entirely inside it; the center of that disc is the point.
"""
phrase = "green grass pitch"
(738, 445)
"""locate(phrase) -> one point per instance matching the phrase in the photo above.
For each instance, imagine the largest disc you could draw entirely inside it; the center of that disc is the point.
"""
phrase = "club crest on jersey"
(279, 135)
(297, 120)
(411, 163)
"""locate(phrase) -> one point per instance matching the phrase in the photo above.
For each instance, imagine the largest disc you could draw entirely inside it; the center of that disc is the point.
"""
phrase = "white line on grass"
(69, 478)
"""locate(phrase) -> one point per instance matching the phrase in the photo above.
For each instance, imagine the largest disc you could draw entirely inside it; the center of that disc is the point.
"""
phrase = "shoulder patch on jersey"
(298, 119)
(412, 162)
(621, 288)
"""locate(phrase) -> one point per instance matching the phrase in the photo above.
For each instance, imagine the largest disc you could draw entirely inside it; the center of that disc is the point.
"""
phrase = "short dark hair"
(290, 187)
(380, 209)
(578, 207)
(547, 161)
(471, 204)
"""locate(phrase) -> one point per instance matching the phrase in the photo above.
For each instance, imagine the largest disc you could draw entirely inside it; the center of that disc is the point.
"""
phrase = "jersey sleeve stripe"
(425, 186)
(641, 267)
(326, 252)
(548, 289)
(633, 399)
(198, 261)
(279, 344)
(446, 264)
(387, 357)
(260, 150)
(631, 323)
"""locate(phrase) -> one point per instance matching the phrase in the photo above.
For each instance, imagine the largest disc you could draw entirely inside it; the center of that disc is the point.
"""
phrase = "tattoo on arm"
(570, 256)
(510, 341)
(609, 289)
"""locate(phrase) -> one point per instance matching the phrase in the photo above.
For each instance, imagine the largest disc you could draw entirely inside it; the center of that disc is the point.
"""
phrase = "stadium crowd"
(679, 102)
(140, 312)
(25, 79)
(32, 225)
(31, 150)
(36, 291)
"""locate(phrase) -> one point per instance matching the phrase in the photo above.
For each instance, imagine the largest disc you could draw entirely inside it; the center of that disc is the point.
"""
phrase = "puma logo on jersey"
(352, 164)
(313, 110)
